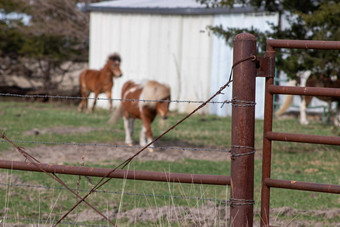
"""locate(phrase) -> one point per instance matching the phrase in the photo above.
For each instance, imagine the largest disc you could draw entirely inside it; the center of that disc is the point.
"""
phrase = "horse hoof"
(304, 122)
(130, 144)
(151, 150)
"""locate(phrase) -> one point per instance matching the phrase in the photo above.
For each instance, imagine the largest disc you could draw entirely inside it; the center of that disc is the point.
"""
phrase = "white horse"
(307, 80)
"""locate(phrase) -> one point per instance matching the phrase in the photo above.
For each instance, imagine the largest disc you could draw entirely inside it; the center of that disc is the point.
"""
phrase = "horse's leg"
(337, 116)
(145, 137)
(128, 125)
(83, 102)
(142, 136)
(303, 115)
(109, 95)
(146, 131)
(305, 100)
(94, 101)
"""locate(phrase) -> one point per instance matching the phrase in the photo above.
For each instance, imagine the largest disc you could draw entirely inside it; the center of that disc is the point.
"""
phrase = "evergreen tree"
(307, 19)
(38, 37)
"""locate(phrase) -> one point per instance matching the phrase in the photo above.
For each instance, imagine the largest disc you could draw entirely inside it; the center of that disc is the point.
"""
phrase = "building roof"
(190, 7)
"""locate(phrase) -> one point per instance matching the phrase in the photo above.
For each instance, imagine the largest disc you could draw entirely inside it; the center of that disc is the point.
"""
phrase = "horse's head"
(114, 65)
(162, 107)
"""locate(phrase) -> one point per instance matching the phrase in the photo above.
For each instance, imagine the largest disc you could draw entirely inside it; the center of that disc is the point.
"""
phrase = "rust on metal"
(262, 66)
(122, 174)
(243, 125)
(269, 136)
(305, 186)
(267, 144)
(302, 44)
(309, 91)
(303, 138)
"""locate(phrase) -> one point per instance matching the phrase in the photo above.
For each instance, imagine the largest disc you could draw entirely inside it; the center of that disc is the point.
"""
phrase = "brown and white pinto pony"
(99, 81)
(309, 80)
(138, 109)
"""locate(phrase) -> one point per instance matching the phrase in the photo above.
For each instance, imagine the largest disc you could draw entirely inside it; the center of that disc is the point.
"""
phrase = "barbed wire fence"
(127, 161)
(111, 146)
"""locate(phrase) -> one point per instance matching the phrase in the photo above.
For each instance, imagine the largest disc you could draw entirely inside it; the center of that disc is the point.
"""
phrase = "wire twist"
(241, 202)
(233, 155)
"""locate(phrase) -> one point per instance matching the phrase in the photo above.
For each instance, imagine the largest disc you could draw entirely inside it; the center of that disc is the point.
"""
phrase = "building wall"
(222, 59)
(171, 49)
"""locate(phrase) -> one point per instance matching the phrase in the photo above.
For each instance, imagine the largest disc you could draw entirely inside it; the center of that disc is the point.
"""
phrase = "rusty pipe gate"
(242, 149)
(268, 66)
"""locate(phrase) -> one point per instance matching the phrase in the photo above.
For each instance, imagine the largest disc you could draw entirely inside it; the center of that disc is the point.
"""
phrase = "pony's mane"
(115, 57)
(152, 90)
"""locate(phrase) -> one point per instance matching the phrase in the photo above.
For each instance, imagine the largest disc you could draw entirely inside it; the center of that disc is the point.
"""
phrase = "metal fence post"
(243, 127)
(267, 144)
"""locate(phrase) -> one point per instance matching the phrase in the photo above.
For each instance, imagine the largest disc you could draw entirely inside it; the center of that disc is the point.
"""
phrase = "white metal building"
(168, 40)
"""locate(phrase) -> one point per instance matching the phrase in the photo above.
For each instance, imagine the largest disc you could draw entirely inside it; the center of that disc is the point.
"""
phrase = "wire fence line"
(123, 164)
(34, 161)
(38, 222)
(134, 147)
(219, 201)
(90, 98)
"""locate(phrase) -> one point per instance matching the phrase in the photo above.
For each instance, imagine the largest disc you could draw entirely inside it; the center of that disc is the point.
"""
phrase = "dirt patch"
(80, 153)
(68, 153)
(206, 215)
(58, 130)
(209, 214)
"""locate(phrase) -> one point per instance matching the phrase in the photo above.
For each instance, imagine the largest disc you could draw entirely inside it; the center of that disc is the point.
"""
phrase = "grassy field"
(37, 198)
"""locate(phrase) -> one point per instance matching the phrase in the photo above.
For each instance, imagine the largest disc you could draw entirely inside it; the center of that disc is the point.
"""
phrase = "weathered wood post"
(243, 125)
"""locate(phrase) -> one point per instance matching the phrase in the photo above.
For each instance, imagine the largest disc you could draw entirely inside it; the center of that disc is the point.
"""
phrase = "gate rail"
(268, 70)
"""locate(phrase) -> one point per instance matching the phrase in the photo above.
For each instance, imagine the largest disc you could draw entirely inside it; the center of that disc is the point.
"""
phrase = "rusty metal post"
(122, 174)
(267, 144)
(242, 138)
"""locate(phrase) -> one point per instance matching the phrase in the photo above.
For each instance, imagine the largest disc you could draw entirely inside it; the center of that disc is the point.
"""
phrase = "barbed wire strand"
(112, 99)
(127, 161)
(118, 146)
(35, 162)
(46, 221)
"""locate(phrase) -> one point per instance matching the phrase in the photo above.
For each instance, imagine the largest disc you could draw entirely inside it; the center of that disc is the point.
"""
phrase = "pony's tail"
(285, 105)
(287, 102)
(117, 114)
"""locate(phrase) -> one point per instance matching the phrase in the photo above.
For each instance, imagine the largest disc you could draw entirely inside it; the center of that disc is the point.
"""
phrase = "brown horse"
(309, 80)
(99, 81)
(146, 111)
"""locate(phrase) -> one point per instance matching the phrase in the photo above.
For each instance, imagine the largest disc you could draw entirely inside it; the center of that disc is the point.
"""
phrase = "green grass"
(290, 161)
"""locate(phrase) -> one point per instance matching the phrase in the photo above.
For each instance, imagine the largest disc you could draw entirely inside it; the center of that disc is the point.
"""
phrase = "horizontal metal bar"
(303, 138)
(122, 174)
(305, 186)
(303, 44)
(311, 91)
